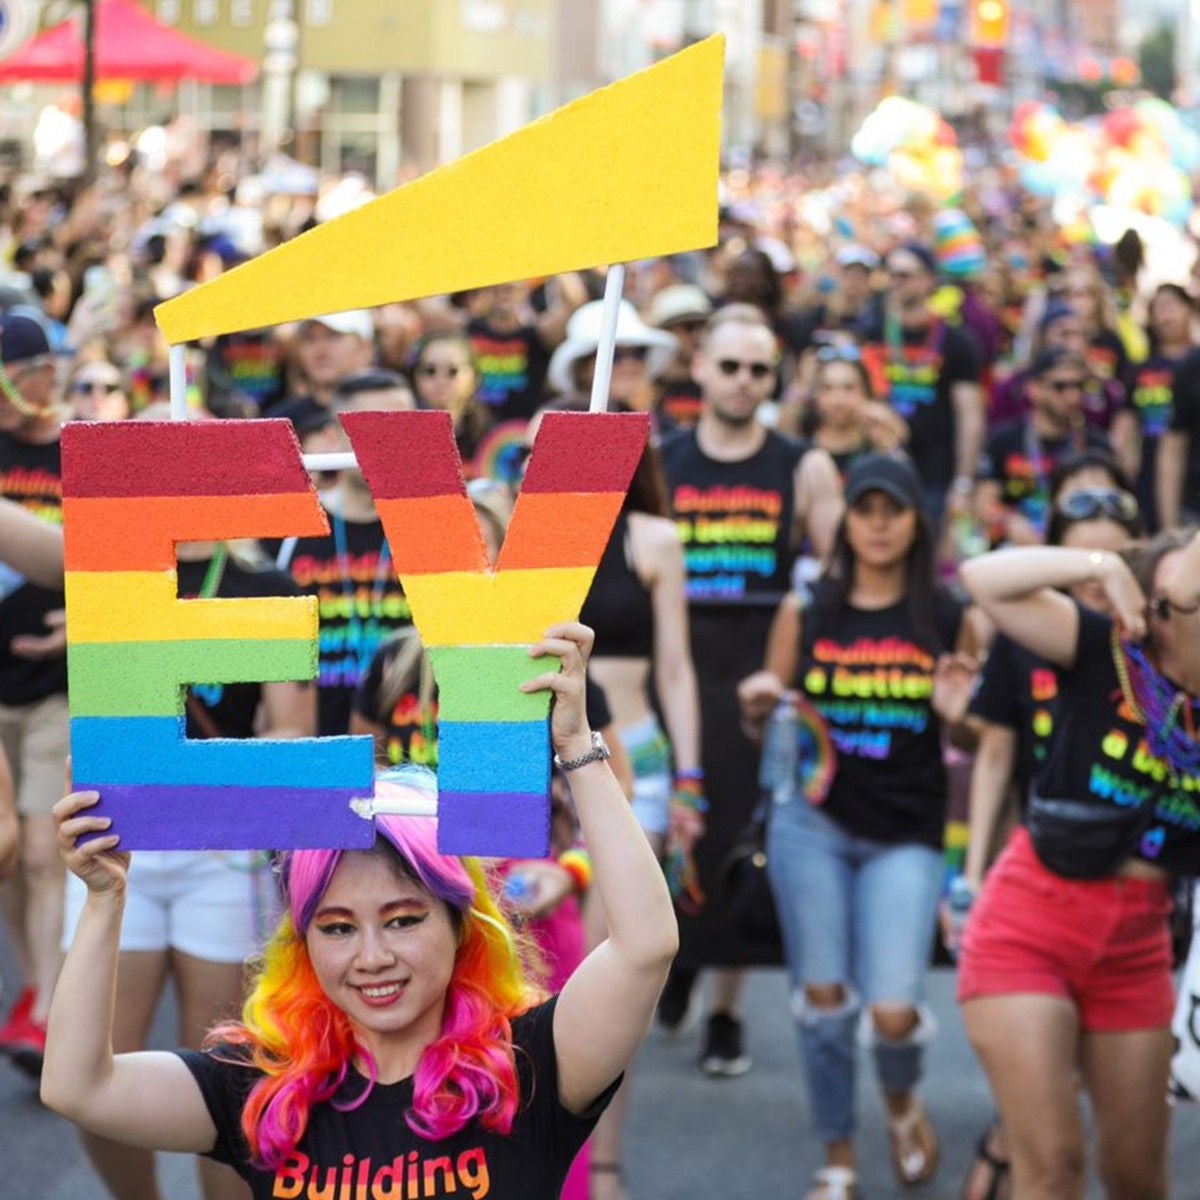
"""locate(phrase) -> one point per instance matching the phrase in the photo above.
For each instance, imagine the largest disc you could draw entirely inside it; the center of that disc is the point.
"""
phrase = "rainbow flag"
(130, 492)
(478, 621)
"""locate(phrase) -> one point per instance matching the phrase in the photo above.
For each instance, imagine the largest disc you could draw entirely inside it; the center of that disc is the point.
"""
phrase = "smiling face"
(383, 951)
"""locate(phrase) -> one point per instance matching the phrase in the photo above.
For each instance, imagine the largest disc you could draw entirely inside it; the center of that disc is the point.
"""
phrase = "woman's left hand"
(571, 643)
(953, 682)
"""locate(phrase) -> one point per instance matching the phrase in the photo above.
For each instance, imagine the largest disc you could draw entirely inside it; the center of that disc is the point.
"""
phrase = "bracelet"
(577, 863)
(695, 775)
(689, 794)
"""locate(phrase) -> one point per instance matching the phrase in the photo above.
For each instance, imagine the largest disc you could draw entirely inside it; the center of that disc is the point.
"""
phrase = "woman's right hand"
(96, 861)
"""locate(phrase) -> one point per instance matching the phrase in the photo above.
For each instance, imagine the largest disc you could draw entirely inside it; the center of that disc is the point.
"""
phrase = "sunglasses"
(1090, 504)
(1162, 608)
(731, 366)
(1061, 386)
(85, 387)
(630, 353)
(429, 370)
(839, 354)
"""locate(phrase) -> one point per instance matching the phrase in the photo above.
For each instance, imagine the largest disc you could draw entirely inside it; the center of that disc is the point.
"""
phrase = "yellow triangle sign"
(627, 172)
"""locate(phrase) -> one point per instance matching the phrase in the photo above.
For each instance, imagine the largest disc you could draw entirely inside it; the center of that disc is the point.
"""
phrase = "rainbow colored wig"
(304, 1044)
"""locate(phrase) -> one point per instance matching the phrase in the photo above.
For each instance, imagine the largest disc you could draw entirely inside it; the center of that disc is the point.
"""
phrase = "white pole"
(330, 462)
(614, 286)
(177, 365)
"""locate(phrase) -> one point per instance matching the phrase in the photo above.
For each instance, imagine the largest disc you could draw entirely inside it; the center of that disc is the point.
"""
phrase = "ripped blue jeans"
(859, 914)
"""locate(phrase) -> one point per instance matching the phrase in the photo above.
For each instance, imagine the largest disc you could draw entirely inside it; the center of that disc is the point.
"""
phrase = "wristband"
(578, 865)
(689, 793)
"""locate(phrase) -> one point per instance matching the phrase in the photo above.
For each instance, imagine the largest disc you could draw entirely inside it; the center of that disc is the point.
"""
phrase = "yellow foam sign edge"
(629, 171)
(510, 608)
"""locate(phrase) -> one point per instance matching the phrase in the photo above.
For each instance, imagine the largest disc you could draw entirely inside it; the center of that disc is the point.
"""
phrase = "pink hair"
(304, 1044)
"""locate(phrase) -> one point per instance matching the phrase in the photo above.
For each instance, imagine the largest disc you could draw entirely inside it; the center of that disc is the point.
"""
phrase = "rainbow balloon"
(478, 622)
(130, 492)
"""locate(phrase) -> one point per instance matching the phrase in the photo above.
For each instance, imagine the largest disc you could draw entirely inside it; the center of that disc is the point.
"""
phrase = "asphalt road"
(689, 1138)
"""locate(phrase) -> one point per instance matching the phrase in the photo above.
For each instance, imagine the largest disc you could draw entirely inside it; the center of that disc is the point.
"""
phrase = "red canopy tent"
(129, 44)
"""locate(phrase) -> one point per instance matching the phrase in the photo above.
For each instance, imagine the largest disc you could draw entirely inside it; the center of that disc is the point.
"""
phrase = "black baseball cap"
(21, 338)
(891, 474)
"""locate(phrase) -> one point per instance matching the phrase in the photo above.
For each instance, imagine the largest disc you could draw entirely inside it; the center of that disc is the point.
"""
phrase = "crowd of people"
(920, 486)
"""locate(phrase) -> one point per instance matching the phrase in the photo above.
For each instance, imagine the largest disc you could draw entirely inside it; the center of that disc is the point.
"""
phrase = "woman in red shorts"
(1065, 966)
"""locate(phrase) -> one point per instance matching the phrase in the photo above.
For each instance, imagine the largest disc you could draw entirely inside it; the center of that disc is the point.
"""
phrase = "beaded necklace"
(1158, 705)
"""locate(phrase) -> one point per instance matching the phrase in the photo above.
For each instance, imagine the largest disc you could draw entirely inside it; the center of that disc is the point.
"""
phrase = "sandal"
(834, 1183)
(988, 1167)
(915, 1150)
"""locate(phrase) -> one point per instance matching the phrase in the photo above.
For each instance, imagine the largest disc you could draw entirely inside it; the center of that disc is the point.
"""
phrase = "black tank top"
(618, 607)
(735, 519)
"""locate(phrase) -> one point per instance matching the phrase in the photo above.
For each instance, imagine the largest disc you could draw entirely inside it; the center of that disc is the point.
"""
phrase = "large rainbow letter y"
(478, 622)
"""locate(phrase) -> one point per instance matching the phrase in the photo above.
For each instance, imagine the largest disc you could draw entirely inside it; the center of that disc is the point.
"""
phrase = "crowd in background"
(846, 359)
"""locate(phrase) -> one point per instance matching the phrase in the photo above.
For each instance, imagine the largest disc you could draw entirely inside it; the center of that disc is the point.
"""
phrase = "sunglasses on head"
(1090, 504)
(429, 370)
(839, 354)
(731, 366)
(85, 387)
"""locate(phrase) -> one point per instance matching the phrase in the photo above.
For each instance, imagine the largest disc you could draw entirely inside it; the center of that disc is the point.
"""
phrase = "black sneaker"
(722, 1056)
(676, 999)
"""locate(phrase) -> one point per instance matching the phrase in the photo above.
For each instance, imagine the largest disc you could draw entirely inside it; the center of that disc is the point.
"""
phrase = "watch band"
(598, 753)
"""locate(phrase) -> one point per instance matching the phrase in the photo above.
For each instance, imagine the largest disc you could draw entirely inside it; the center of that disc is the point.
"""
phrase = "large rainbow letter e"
(130, 492)
(478, 623)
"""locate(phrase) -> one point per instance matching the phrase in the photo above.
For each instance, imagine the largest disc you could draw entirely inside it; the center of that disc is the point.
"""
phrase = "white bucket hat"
(583, 337)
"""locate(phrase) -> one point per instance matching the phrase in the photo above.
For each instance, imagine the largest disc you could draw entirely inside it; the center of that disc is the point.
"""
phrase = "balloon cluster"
(915, 144)
(1139, 158)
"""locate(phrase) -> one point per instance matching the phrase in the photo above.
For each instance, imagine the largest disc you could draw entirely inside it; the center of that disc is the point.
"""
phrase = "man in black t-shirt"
(744, 498)
(1013, 495)
(929, 373)
(33, 681)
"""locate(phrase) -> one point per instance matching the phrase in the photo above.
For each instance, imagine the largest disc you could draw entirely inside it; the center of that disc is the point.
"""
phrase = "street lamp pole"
(89, 90)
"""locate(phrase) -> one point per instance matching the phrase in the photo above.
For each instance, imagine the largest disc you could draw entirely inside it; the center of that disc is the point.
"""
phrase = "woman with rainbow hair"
(393, 1044)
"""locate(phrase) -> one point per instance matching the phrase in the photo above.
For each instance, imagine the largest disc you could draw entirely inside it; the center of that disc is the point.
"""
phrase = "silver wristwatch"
(598, 753)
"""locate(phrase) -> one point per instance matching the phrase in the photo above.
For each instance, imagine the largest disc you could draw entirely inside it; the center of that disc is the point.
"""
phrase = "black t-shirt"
(369, 1151)
(1100, 755)
(245, 369)
(869, 673)
(734, 518)
(1021, 462)
(1019, 691)
(917, 379)
(1185, 418)
(512, 369)
(32, 477)
(1149, 387)
(360, 604)
(232, 707)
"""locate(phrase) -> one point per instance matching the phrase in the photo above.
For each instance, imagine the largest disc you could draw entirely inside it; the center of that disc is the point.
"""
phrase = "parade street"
(690, 1138)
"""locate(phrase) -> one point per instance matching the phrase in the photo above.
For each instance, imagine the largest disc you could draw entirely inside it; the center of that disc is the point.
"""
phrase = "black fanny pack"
(1081, 840)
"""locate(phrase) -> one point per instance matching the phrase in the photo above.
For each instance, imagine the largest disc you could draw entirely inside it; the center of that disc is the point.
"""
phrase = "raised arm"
(147, 1099)
(818, 500)
(1015, 588)
(31, 546)
(605, 1008)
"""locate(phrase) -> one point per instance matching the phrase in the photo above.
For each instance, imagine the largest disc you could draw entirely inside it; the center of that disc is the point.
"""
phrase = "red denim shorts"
(1102, 944)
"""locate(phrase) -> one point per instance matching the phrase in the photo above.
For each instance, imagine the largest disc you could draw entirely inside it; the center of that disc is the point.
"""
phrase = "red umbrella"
(130, 44)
